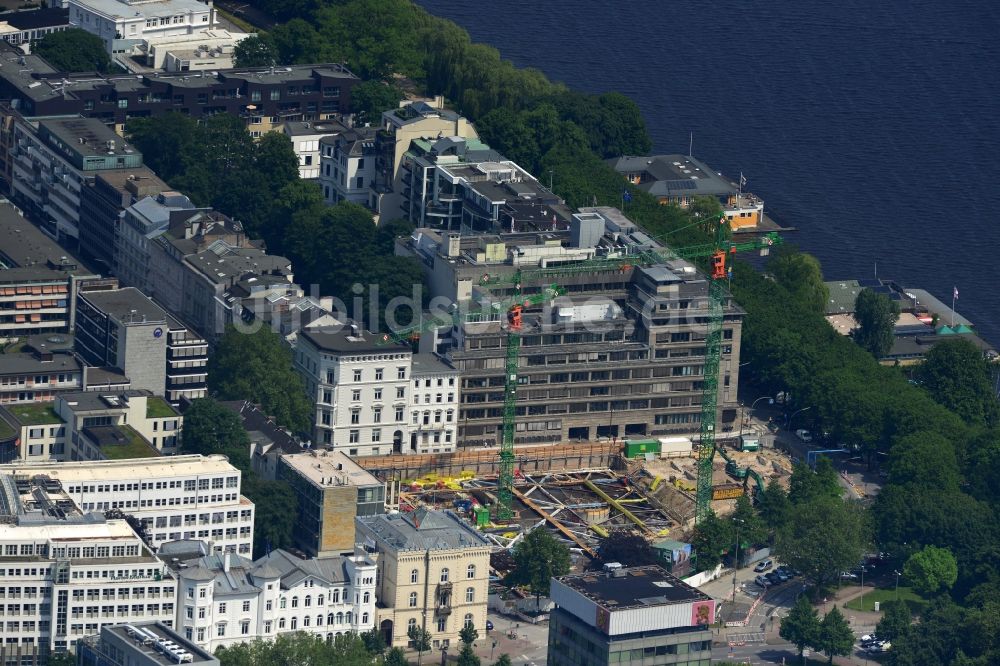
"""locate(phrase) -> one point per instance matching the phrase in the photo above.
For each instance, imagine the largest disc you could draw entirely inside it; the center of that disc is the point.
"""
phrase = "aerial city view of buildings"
(534, 460)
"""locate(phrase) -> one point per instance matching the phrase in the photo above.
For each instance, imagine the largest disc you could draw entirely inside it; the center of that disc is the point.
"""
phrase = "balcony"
(442, 600)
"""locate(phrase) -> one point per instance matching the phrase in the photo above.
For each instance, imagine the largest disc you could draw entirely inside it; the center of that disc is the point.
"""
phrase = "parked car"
(868, 639)
(489, 625)
(847, 575)
(774, 578)
(763, 565)
(879, 647)
(804, 435)
(762, 581)
(782, 575)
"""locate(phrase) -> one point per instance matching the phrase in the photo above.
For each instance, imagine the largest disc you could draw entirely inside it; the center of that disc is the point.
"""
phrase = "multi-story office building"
(435, 399)
(45, 367)
(39, 280)
(331, 490)
(632, 615)
(21, 28)
(433, 573)
(140, 644)
(305, 137)
(189, 497)
(456, 183)
(360, 388)
(66, 575)
(347, 166)
(198, 260)
(123, 329)
(224, 599)
(122, 23)
(53, 160)
(400, 127)
(101, 206)
(96, 426)
(620, 355)
(139, 224)
(187, 363)
(265, 98)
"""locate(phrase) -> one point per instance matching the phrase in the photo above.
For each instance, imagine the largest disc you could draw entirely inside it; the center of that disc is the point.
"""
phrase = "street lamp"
(792, 417)
(770, 401)
(897, 583)
(863, 567)
(736, 562)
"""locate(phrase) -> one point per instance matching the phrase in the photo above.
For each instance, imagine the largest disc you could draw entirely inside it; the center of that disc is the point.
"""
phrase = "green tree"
(924, 458)
(538, 557)
(255, 51)
(807, 484)
(626, 546)
(773, 505)
(956, 375)
(895, 621)
(374, 641)
(712, 537)
(801, 625)
(751, 528)
(209, 428)
(420, 639)
(932, 570)
(504, 660)
(370, 98)
(467, 657)
(298, 648)
(801, 275)
(62, 659)
(468, 634)
(823, 537)
(166, 142)
(396, 657)
(835, 636)
(259, 367)
(277, 510)
(876, 315)
(73, 50)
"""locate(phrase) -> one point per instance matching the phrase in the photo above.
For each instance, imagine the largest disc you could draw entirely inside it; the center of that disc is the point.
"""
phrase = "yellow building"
(433, 573)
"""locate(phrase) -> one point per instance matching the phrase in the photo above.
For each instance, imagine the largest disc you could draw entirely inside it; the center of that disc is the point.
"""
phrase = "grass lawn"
(157, 408)
(882, 595)
(242, 24)
(134, 447)
(39, 413)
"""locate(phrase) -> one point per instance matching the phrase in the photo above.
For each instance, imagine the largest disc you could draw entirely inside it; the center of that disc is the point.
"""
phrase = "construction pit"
(651, 496)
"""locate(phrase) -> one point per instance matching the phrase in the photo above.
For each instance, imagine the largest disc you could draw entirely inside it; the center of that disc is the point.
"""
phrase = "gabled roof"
(294, 570)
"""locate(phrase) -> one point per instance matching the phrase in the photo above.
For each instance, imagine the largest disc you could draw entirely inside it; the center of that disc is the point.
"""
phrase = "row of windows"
(188, 485)
(445, 575)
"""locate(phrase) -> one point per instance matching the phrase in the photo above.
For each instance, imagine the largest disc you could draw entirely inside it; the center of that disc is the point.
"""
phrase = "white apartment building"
(123, 23)
(176, 497)
(64, 575)
(225, 599)
(138, 225)
(93, 425)
(434, 405)
(360, 388)
(305, 138)
(347, 164)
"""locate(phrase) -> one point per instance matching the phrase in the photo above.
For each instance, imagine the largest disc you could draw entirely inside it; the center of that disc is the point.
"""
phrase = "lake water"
(873, 127)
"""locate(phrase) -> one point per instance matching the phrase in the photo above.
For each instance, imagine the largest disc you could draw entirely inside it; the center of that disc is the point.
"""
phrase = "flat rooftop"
(158, 8)
(344, 341)
(633, 587)
(23, 363)
(431, 364)
(330, 469)
(113, 470)
(127, 305)
(150, 641)
(86, 136)
(27, 254)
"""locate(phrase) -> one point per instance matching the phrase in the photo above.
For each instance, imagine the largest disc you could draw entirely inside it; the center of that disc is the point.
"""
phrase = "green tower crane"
(719, 271)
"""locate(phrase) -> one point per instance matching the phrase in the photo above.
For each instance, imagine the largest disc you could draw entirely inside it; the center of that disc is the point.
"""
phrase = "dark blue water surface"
(872, 126)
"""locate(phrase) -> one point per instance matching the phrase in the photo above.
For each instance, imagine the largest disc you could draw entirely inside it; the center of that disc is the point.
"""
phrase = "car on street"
(868, 639)
(763, 565)
(489, 625)
(762, 580)
(804, 435)
(847, 575)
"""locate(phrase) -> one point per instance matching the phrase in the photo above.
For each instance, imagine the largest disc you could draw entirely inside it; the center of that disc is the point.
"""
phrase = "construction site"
(581, 492)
